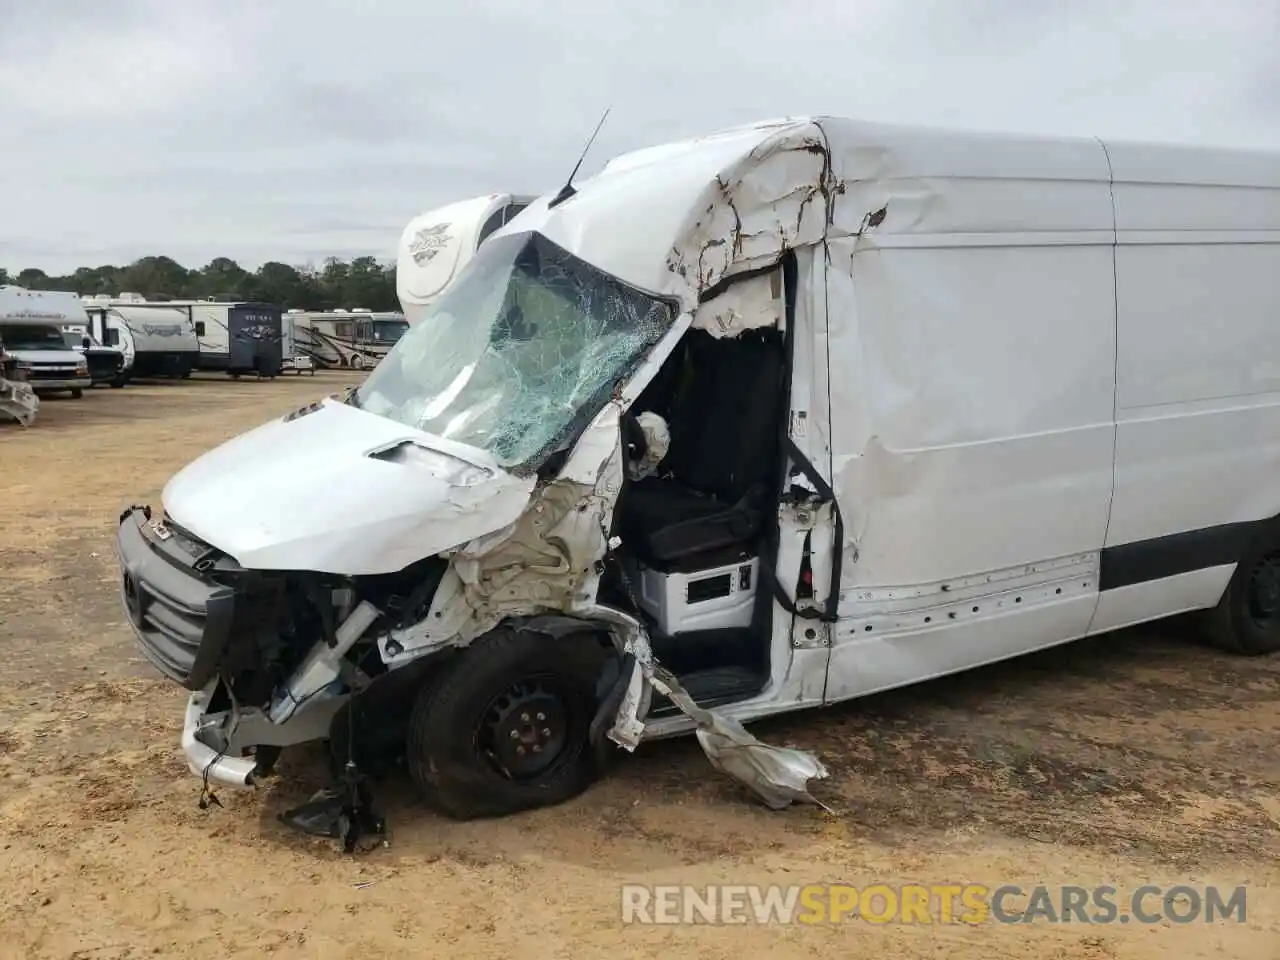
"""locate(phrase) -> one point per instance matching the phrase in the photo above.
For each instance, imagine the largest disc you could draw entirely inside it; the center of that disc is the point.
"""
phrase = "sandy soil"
(1135, 758)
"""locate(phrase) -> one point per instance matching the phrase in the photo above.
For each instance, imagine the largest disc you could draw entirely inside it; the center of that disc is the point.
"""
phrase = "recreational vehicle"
(762, 421)
(291, 356)
(154, 339)
(436, 245)
(358, 339)
(31, 323)
(238, 338)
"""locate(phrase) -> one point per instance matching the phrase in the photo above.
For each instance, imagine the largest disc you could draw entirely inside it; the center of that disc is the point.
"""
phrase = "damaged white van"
(766, 420)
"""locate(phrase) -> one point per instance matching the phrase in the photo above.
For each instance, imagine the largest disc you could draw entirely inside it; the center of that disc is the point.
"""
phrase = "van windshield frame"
(518, 353)
(33, 336)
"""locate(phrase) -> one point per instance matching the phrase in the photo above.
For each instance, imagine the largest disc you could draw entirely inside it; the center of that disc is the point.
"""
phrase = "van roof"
(677, 218)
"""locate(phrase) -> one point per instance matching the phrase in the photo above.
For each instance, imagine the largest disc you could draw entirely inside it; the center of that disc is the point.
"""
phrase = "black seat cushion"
(716, 477)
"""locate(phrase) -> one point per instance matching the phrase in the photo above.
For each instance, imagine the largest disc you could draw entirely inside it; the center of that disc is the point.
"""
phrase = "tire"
(357, 363)
(1246, 620)
(77, 393)
(266, 756)
(460, 747)
(116, 383)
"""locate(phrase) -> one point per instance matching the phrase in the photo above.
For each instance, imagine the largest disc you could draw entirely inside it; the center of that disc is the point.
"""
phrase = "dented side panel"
(975, 326)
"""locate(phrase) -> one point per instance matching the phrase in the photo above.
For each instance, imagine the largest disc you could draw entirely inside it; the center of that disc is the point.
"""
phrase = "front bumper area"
(208, 762)
(214, 741)
(44, 385)
(181, 618)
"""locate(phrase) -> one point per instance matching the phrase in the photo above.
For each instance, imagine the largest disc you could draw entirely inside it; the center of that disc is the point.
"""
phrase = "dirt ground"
(1131, 759)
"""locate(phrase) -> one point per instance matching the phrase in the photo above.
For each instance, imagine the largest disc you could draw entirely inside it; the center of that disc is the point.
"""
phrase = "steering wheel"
(633, 438)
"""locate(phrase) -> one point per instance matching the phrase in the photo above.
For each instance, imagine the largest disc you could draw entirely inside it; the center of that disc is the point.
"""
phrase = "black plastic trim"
(1142, 561)
(182, 621)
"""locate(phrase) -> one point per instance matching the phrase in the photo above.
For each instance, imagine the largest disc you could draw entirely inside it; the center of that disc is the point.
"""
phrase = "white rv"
(155, 339)
(437, 244)
(236, 338)
(358, 339)
(758, 422)
(31, 325)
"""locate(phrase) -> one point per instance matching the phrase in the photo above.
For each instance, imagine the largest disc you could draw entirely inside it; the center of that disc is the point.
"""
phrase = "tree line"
(359, 283)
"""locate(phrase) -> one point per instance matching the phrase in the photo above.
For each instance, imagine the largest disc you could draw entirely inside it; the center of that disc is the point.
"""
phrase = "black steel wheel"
(505, 726)
(1247, 619)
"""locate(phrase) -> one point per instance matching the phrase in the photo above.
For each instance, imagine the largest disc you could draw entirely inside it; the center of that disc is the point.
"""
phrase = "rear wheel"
(1247, 618)
(505, 726)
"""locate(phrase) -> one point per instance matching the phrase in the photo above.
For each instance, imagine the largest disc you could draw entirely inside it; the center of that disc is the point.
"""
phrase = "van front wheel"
(504, 727)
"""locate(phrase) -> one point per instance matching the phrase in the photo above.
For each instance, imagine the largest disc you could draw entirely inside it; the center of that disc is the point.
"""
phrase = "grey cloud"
(306, 127)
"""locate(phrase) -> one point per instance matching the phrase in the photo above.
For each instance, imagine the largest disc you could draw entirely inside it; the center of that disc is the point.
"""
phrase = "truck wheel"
(77, 393)
(1246, 620)
(266, 756)
(116, 383)
(504, 727)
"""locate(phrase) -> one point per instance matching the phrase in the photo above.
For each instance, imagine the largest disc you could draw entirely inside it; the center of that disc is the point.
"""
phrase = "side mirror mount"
(86, 342)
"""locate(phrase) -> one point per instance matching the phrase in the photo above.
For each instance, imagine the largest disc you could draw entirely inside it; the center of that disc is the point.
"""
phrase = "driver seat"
(715, 490)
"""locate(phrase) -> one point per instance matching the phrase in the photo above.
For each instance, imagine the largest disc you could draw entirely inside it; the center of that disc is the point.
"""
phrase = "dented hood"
(339, 490)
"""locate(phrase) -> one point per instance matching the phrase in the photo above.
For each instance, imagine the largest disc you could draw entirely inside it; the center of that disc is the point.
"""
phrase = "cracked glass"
(518, 353)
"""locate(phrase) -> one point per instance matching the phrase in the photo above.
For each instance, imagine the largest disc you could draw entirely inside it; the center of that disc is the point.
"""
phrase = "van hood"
(334, 489)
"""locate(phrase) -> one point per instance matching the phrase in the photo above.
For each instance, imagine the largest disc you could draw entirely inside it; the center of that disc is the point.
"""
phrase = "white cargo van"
(437, 244)
(774, 418)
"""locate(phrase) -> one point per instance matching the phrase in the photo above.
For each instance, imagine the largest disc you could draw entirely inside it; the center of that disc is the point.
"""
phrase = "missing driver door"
(807, 561)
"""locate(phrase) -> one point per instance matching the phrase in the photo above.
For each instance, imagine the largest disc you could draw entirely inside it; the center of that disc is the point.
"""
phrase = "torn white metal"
(777, 775)
(18, 401)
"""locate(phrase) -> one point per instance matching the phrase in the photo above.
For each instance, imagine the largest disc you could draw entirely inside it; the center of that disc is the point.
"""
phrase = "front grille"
(38, 373)
(182, 618)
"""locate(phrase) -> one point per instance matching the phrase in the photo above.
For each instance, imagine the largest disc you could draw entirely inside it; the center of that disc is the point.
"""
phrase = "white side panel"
(1141, 602)
(1198, 390)
(972, 395)
(972, 392)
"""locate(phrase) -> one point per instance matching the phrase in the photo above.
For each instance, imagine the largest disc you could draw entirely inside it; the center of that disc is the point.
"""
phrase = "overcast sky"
(297, 129)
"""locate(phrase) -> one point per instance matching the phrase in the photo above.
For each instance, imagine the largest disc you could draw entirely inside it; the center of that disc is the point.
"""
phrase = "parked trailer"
(799, 412)
(358, 339)
(437, 244)
(238, 338)
(155, 339)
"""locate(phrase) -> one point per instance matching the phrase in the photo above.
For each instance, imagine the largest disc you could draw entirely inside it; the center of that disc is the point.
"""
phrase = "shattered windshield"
(517, 353)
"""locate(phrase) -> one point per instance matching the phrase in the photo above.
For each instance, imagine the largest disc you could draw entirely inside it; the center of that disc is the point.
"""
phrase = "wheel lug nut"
(520, 751)
(537, 748)
(542, 716)
(524, 717)
(515, 734)
(546, 732)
